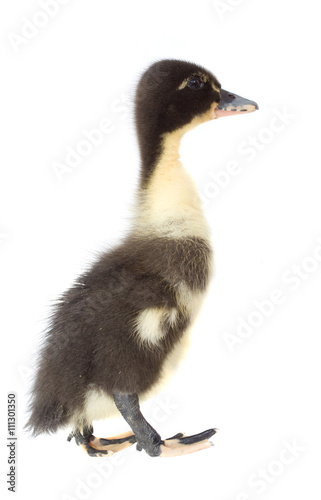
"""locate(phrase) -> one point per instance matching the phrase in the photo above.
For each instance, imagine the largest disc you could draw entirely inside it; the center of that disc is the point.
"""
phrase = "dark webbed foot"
(149, 439)
(182, 445)
(101, 447)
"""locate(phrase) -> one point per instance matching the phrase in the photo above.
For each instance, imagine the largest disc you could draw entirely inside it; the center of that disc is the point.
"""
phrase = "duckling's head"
(175, 96)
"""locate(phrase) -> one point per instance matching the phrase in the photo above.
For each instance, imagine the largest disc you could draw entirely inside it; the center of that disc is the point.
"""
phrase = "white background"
(263, 392)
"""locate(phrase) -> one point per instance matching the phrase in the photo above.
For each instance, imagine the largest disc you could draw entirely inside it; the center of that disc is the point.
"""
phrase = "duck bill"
(232, 104)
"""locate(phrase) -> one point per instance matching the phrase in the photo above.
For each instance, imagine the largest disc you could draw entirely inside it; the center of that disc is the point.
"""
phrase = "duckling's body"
(124, 326)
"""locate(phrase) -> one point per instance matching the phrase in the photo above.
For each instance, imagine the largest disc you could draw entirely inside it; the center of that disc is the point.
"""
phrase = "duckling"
(122, 328)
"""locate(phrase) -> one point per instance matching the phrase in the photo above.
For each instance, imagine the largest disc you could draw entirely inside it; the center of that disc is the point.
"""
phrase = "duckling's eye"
(195, 83)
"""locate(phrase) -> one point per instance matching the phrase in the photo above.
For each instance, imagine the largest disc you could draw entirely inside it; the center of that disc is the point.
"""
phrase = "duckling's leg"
(100, 447)
(149, 439)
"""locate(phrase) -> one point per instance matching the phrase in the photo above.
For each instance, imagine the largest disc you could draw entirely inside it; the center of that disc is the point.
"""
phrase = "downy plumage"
(122, 328)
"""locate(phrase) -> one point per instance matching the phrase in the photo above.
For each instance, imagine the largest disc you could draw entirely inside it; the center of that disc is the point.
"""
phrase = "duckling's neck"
(169, 203)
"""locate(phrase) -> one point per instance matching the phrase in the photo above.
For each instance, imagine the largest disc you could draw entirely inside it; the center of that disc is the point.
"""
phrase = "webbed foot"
(183, 445)
(101, 447)
(148, 438)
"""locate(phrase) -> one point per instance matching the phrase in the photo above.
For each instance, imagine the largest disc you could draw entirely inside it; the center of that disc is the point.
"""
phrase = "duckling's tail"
(45, 417)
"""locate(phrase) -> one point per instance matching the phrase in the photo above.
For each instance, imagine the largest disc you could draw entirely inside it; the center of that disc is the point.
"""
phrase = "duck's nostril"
(231, 96)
